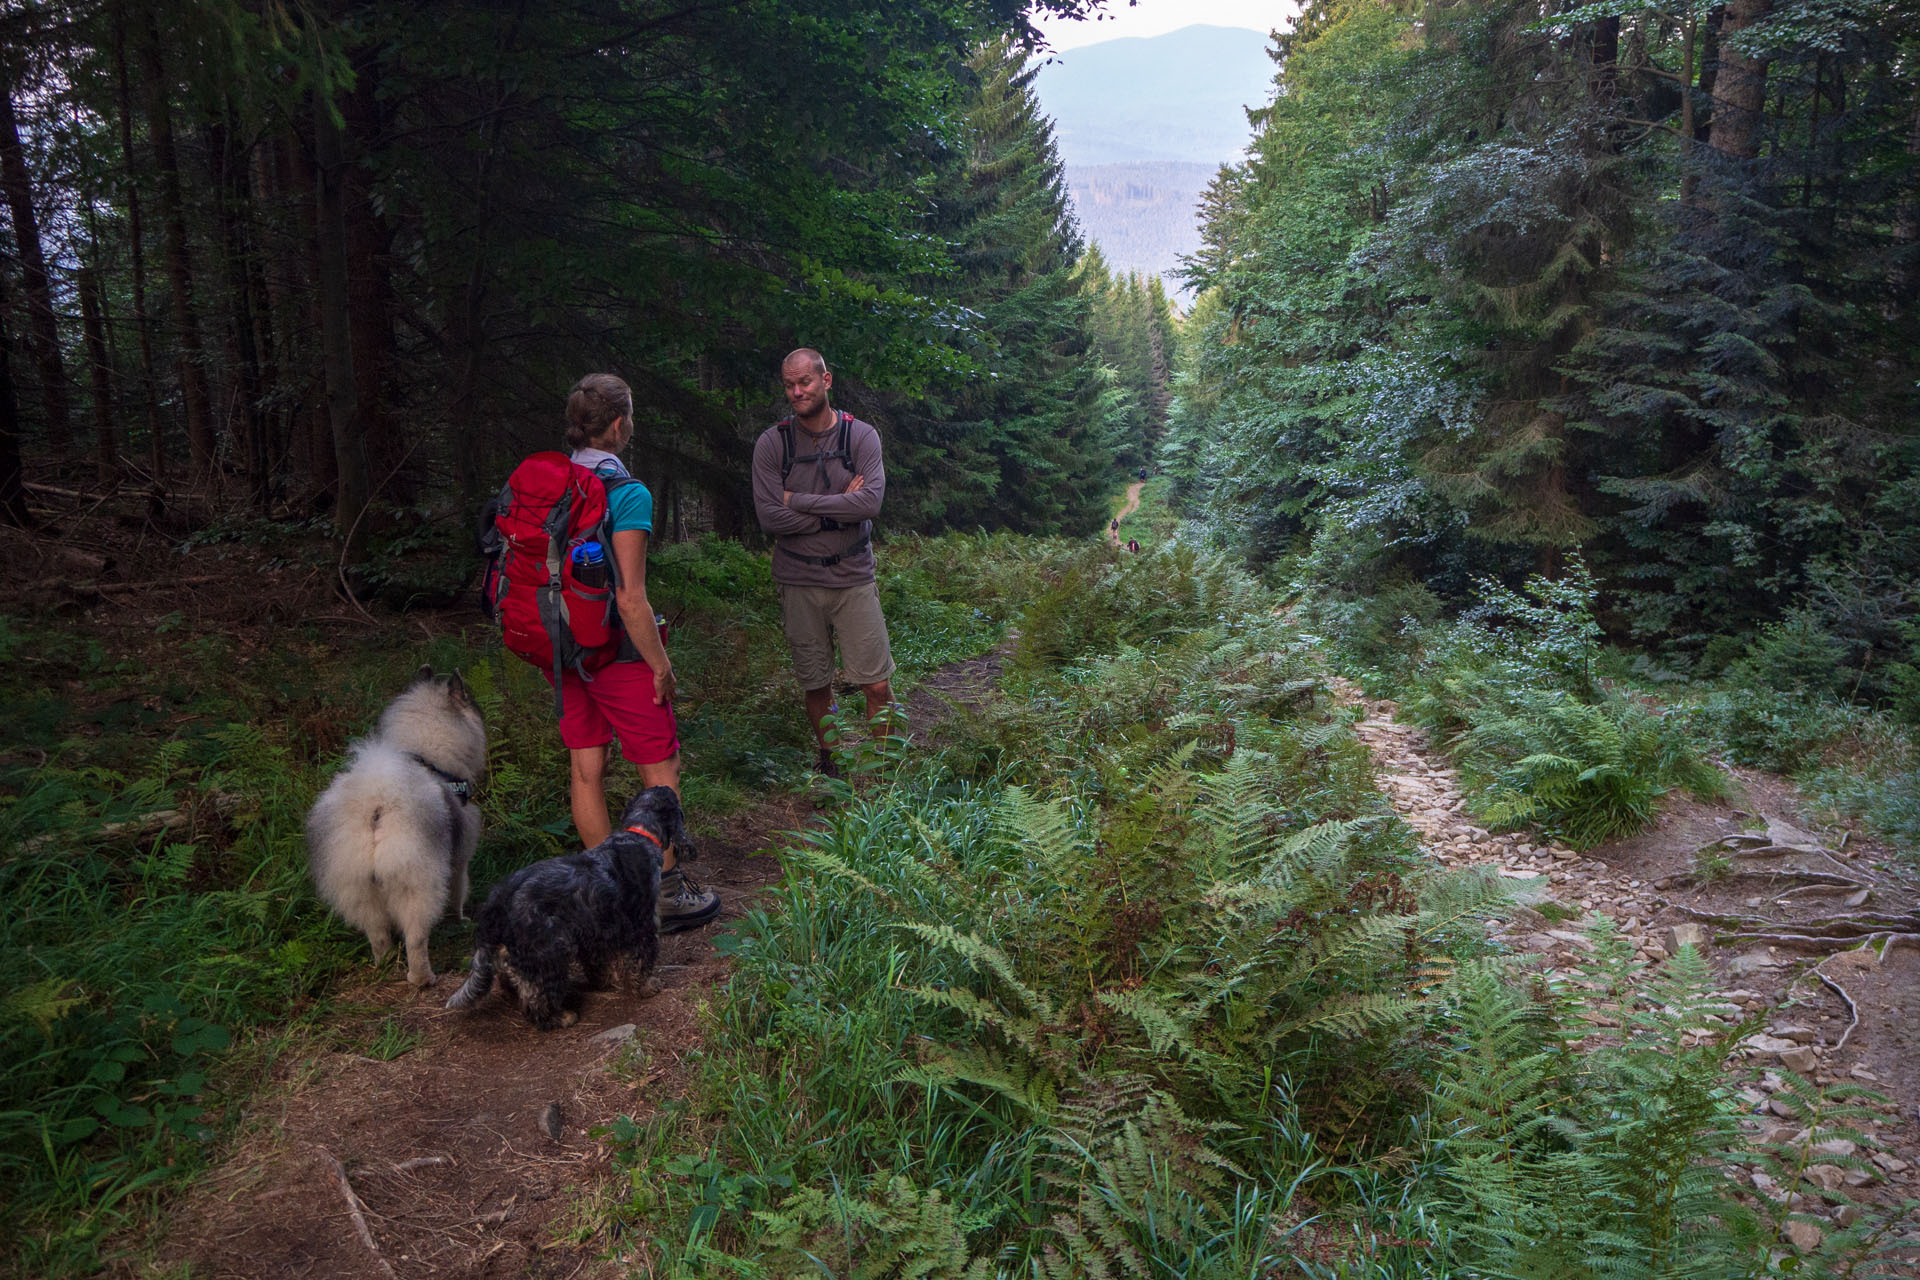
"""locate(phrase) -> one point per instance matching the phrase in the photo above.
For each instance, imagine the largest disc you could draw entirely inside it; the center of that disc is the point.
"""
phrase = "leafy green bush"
(1369, 636)
(1513, 690)
(1797, 654)
(1592, 771)
(1786, 705)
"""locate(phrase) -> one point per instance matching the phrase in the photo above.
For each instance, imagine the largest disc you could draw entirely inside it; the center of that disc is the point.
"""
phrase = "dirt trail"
(1132, 505)
(465, 1155)
(471, 1153)
(1651, 884)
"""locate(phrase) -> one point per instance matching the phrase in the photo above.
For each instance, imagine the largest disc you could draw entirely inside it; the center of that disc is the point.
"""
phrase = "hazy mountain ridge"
(1143, 124)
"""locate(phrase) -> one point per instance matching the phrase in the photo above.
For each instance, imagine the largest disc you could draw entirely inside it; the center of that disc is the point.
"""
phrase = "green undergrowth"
(1513, 690)
(153, 973)
(1794, 702)
(1137, 976)
(1555, 730)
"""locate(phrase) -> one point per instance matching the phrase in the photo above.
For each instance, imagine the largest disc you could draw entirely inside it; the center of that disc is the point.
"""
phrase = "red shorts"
(618, 700)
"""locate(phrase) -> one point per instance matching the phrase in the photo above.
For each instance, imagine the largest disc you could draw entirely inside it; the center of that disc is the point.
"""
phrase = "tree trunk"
(1906, 230)
(1709, 70)
(179, 256)
(269, 269)
(466, 322)
(336, 336)
(315, 425)
(93, 326)
(13, 493)
(234, 217)
(43, 329)
(1740, 88)
(149, 385)
(369, 288)
(1606, 59)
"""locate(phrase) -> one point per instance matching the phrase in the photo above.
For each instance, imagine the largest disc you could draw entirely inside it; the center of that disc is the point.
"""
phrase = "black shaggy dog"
(562, 925)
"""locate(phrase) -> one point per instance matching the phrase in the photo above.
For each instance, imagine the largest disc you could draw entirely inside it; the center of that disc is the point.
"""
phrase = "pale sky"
(1157, 17)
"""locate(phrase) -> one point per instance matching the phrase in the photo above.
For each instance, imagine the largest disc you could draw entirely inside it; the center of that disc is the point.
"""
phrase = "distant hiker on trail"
(1115, 526)
(817, 484)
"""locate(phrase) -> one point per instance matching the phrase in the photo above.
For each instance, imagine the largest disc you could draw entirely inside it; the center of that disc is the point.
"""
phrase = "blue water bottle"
(590, 565)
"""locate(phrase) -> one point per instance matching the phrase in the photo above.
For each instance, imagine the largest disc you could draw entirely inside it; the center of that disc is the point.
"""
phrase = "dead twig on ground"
(355, 1210)
(422, 1162)
(499, 1215)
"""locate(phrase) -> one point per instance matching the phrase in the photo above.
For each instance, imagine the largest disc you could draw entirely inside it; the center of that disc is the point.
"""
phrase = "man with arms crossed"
(817, 484)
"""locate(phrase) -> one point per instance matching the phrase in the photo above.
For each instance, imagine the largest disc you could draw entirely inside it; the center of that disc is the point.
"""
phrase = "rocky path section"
(1831, 1015)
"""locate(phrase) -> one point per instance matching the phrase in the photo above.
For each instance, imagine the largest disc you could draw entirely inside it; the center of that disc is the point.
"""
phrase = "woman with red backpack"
(631, 697)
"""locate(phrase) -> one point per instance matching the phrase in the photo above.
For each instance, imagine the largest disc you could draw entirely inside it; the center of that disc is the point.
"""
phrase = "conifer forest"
(1403, 751)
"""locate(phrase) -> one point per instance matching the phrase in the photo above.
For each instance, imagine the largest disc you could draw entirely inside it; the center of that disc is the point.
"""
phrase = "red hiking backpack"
(550, 505)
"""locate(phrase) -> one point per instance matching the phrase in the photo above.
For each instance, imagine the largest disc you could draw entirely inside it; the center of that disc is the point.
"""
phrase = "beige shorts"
(817, 617)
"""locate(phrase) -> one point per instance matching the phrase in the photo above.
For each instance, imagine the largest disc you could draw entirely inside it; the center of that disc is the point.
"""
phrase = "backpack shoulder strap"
(843, 447)
(785, 428)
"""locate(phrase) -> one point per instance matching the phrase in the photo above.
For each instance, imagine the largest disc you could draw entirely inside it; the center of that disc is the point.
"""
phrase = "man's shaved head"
(804, 355)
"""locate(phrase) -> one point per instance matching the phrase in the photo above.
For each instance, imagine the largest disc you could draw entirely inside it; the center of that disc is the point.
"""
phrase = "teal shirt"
(629, 506)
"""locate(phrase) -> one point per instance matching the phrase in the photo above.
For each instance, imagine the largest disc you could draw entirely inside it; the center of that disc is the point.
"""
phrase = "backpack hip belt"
(827, 562)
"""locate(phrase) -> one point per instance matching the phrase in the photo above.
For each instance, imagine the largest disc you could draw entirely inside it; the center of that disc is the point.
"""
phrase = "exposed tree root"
(1808, 942)
(1853, 1010)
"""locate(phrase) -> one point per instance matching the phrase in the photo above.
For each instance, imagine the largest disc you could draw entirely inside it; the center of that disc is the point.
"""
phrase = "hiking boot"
(826, 765)
(684, 904)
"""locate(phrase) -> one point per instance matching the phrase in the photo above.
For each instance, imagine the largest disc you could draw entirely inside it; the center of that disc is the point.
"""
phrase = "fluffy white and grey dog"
(564, 924)
(388, 842)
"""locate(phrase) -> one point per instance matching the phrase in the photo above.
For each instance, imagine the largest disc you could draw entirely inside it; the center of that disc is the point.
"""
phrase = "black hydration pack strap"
(842, 448)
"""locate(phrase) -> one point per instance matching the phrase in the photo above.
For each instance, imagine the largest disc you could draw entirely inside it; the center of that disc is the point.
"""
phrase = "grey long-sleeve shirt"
(819, 490)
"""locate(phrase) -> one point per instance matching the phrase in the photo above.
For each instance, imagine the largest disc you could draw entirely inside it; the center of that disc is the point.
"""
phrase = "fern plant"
(1589, 771)
(1587, 1131)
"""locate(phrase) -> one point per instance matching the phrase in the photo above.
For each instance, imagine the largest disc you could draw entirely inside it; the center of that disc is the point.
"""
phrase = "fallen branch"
(31, 487)
(421, 1162)
(126, 588)
(147, 824)
(1853, 1010)
(355, 1210)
